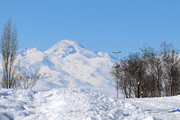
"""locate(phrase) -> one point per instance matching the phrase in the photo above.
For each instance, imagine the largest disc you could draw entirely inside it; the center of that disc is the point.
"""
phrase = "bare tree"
(27, 80)
(13, 77)
(171, 62)
(150, 73)
(154, 69)
(126, 80)
(8, 50)
(138, 71)
(130, 73)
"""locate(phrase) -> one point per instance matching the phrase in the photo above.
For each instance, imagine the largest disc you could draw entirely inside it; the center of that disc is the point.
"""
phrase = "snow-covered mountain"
(68, 64)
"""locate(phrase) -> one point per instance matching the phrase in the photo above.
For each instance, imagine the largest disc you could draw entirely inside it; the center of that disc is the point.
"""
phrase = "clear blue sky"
(99, 25)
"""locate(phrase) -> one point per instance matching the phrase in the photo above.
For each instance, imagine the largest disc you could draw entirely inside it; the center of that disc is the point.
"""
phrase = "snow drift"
(65, 104)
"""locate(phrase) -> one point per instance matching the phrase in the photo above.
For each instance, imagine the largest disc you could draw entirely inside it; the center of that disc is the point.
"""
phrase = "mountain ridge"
(69, 64)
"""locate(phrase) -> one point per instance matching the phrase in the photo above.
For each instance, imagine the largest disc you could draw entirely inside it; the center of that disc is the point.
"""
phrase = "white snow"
(65, 104)
(79, 104)
(164, 108)
(74, 88)
(69, 65)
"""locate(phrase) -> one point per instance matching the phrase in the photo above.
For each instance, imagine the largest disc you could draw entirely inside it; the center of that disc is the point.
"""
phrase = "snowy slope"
(65, 104)
(68, 64)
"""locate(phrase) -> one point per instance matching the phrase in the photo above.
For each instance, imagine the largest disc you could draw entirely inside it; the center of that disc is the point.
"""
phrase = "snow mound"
(65, 104)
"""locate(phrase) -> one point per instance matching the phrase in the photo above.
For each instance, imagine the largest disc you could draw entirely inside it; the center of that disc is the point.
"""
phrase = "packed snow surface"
(164, 108)
(65, 104)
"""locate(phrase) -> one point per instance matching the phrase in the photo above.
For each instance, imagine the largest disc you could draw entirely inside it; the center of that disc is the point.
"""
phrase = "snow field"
(164, 108)
(65, 104)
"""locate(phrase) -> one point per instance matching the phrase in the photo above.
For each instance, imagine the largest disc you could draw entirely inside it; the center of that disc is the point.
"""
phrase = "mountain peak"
(68, 42)
(65, 47)
(26, 51)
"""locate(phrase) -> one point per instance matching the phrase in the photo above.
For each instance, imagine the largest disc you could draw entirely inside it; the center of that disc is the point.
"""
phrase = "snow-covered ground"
(79, 104)
(65, 104)
(165, 108)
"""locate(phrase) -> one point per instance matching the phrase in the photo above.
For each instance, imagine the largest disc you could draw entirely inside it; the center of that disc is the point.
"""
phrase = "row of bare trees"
(149, 73)
(13, 76)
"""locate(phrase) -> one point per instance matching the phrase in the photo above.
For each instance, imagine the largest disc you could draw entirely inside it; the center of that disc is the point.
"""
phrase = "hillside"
(68, 64)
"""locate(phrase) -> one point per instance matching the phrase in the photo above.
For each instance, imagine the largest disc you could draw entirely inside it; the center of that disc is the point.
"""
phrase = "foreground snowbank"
(65, 104)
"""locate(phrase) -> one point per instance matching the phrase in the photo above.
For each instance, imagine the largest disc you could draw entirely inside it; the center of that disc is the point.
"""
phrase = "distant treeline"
(149, 73)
